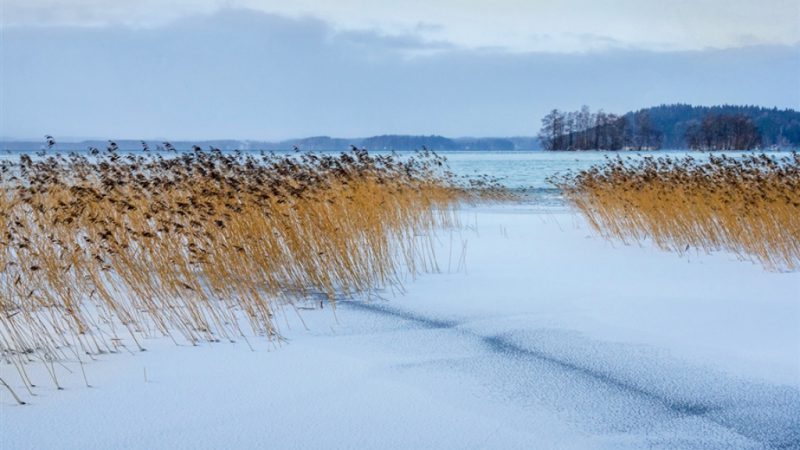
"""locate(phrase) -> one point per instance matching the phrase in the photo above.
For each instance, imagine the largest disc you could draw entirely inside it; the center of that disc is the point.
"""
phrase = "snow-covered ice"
(549, 337)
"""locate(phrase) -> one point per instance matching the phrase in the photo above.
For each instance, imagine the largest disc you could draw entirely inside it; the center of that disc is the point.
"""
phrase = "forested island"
(678, 126)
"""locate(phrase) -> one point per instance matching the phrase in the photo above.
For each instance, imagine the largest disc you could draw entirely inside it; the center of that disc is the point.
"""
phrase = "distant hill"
(779, 127)
(316, 143)
(678, 126)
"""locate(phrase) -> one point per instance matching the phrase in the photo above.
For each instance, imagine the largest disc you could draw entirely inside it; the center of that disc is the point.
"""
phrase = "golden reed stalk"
(748, 205)
(206, 245)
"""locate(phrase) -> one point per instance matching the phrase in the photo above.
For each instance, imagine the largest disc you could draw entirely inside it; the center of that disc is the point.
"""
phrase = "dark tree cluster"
(778, 127)
(721, 127)
(585, 130)
(723, 132)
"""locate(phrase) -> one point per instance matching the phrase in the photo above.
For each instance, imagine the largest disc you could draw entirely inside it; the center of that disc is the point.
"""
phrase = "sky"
(263, 69)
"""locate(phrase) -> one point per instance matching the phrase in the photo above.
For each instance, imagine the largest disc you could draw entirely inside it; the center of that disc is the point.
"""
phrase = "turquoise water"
(527, 172)
(530, 169)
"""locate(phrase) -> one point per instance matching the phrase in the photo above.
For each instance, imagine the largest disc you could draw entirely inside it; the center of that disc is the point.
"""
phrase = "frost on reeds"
(749, 205)
(108, 248)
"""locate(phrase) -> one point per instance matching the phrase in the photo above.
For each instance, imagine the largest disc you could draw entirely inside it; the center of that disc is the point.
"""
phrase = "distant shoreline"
(129, 145)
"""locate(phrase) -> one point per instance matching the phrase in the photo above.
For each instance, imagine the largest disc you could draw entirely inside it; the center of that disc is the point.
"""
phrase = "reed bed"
(105, 249)
(748, 205)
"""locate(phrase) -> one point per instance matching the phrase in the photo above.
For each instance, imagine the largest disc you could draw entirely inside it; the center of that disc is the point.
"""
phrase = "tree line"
(723, 132)
(722, 127)
(587, 130)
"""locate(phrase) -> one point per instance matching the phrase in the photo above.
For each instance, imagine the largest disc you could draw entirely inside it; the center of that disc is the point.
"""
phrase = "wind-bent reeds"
(204, 245)
(748, 205)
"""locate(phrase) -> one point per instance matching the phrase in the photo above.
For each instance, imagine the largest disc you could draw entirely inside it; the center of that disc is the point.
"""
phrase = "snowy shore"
(547, 337)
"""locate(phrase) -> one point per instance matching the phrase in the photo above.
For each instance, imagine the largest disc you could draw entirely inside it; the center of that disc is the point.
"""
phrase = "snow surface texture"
(549, 337)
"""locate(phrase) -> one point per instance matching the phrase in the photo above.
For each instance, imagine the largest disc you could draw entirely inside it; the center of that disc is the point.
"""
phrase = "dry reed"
(101, 250)
(748, 205)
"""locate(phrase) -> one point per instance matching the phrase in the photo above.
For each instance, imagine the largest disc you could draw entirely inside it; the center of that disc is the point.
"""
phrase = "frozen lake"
(548, 337)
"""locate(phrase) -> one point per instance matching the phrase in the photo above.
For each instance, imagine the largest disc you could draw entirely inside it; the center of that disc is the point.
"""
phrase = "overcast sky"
(263, 69)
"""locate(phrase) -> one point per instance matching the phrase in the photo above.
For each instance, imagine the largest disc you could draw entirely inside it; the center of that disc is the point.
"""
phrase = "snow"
(549, 337)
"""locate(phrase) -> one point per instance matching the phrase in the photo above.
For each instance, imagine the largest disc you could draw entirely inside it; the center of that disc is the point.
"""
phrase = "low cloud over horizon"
(247, 74)
(512, 25)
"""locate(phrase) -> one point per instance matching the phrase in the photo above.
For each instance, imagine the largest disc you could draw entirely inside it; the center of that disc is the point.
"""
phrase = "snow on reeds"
(101, 250)
(748, 205)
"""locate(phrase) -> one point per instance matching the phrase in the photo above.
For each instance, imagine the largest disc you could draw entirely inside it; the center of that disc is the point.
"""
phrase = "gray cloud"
(410, 44)
(244, 74)
(514, 25)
